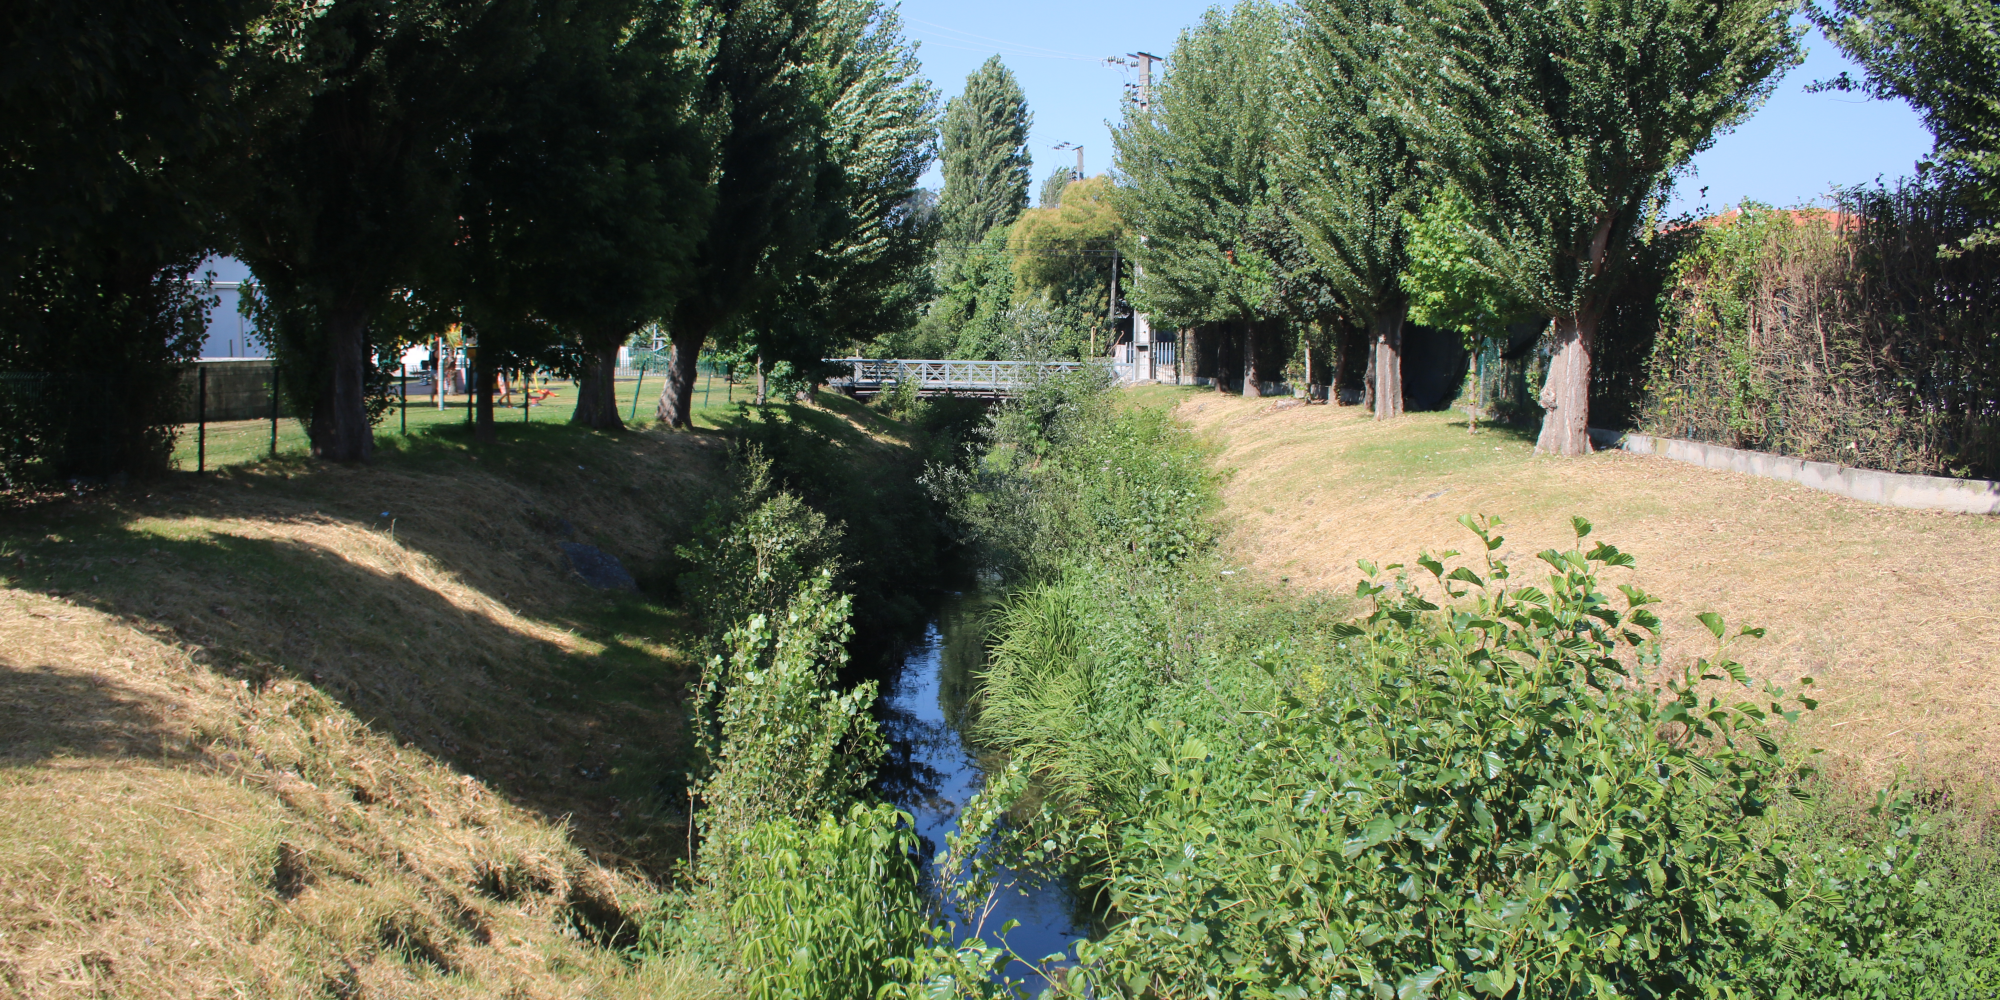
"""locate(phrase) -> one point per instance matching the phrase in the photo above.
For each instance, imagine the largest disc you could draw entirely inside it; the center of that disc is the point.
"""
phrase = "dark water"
(933, 772)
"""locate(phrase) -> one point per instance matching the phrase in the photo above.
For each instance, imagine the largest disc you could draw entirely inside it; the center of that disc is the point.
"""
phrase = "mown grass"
(240, 442)
(1889, 610)
(291, 729)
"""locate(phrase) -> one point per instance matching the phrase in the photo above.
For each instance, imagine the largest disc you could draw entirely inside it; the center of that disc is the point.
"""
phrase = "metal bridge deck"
(936, 377)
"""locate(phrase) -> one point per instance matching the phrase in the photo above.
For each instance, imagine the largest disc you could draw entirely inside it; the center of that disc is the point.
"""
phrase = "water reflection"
(933, 773)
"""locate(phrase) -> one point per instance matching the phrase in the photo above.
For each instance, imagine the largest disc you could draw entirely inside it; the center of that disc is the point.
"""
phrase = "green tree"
(1561, 121)
(878, 125)
(1348, 152)
(756, 94)
(986, 162)
(1198, 166)
(1052, 188)
(1942, 56)
(116, 135)
(1448, 288)
(1063, 256)
(968, 318)
(582, 213)
(352, 179)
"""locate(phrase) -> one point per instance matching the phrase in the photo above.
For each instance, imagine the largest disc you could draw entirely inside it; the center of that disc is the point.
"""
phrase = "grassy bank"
(1520, 772)
(299, 730)
(1890, 611)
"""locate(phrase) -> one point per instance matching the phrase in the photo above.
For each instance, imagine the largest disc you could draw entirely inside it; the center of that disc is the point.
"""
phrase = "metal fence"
(933, 375)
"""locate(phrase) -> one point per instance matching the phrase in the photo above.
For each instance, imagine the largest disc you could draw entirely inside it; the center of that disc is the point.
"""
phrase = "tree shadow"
(48, 712)
(582, 730)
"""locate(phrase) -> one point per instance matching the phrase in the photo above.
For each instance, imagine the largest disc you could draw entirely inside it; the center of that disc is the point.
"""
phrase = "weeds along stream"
(934, 767)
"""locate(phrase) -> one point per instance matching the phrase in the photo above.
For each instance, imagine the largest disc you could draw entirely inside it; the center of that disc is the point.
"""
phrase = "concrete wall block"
(1893, 489)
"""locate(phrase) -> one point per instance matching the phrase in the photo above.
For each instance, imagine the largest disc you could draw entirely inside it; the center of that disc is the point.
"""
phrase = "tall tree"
(1942, 56)
(1561, 120)
(877, 120)
(756, 91)
(1199, 167)
(1348, 153)
(582, 212)
(352, 180)
(1063, 256)
(116, 146)
(985, 152)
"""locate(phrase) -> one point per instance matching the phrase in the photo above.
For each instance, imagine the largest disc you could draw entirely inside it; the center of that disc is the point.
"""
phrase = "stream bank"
(934, 768)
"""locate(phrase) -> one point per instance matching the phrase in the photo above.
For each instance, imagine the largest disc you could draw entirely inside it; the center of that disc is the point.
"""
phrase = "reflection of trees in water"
(905, 777)
(910, 774)
(962, 624)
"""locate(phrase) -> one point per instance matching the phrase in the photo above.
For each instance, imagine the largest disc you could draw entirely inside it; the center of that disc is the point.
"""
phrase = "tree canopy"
(1943, 57)
(1198, 166)
(1560, 121)
(985, 155)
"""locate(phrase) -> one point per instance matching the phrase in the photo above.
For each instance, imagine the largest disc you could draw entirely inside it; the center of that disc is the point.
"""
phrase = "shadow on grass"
(582, 733)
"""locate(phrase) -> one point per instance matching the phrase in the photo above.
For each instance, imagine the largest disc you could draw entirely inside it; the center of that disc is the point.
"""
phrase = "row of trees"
(556, 174)
(1008, 280)
(1399, 141)
(1467, 163)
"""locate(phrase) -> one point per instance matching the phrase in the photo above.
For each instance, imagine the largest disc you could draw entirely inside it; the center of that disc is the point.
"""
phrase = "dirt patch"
(1892, 612)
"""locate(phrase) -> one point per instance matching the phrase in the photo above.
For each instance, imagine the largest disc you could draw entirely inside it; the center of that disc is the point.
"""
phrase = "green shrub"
(1070, 478)
(823, 907)
(781, 740)
(754, 550)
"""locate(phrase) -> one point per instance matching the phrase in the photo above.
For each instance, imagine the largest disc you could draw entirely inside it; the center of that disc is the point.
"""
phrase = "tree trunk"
(676, 407)
(762, 386)
(1367, 373)
(1389, 362)
(1251, 389)
(483, 377)
(1566, 395)
(344, 434)
(596, 402)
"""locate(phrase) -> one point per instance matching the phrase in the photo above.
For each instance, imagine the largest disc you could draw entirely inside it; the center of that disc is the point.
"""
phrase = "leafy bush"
(1070, 477)
(780, 739)
(1474, 798)
(825, 907)
(754, 549)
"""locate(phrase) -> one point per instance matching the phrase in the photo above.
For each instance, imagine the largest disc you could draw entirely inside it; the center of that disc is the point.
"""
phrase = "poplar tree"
(877, 120)
(985, 153)
(352, 179)
(581, 214)
(1347, 151)
(755, 93)
(1560, 121)
(1199, 170)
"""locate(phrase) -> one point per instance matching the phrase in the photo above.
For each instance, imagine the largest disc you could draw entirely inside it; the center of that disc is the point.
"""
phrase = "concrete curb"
(1894, 489)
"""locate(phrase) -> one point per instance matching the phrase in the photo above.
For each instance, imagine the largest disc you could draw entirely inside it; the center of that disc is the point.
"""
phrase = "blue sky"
(1795, 148)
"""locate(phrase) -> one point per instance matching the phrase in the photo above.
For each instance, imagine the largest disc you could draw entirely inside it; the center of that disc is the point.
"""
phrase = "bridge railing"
(937, 374)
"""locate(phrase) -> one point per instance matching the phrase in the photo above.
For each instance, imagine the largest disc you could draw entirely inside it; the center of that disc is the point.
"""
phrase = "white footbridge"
(935, 377)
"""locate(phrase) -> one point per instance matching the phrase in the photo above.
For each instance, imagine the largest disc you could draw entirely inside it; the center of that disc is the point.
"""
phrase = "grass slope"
(292, 730)
(1891, 611)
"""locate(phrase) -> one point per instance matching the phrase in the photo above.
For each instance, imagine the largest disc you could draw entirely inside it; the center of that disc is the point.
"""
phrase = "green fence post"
(201, 422)
(274, 409)
(635, 392)
(406, 400)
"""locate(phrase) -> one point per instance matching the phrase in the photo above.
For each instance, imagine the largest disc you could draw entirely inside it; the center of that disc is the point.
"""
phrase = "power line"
(1026, 49)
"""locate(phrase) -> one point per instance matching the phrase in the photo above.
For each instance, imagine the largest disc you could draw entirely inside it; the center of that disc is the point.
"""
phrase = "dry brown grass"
(1894, 613)
(258, 740)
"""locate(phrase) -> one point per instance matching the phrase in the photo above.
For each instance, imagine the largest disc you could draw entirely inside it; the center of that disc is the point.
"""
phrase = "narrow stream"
(924, 716)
